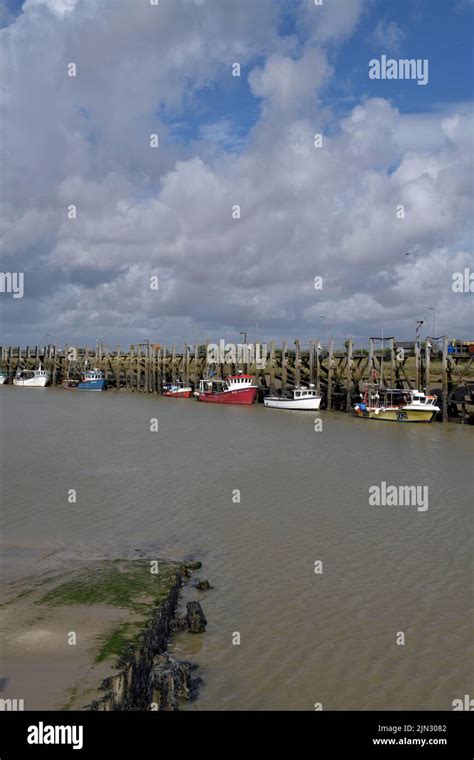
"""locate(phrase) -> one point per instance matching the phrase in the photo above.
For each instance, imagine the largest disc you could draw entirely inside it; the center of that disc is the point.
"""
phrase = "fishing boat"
(302, 398)
(32, 378)
(236, 389)
(177, 390)
(396, 405)
(89, 380)
(3, 378)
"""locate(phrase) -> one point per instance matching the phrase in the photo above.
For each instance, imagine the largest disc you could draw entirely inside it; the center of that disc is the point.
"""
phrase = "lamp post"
(325, 330)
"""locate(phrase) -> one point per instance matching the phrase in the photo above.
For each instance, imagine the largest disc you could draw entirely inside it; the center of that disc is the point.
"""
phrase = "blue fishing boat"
(90, 380)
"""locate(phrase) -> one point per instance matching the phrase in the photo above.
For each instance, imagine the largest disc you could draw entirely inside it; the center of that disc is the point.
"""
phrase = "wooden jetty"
(338, 373)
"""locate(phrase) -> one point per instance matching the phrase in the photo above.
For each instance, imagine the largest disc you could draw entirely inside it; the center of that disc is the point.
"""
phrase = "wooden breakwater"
(338, 373)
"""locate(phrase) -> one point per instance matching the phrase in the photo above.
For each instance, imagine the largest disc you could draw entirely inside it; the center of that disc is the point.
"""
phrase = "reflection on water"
(305, 637)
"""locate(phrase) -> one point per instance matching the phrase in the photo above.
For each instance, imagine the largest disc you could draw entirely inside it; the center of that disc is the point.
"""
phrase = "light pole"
(245, 337)
(325, 330)
(433, 309)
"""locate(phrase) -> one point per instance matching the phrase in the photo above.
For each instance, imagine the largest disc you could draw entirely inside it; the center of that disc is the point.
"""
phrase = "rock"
(170, 680)
(203, 585)
(195, 620)
(187, 568)
(178, 624)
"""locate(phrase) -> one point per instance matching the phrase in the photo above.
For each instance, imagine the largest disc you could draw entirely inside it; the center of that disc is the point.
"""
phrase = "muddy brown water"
(328, 637)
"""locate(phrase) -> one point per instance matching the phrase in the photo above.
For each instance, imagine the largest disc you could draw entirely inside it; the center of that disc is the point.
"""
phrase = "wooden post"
(272, 365)
(417, 364)
(138, 356)
(349, 375)
(163, 365)
(284, 371)
(318, 368)
(117, 368)
(370, 365)
(196, 361)
(330, 372)
(392, 362)
(173, 364)
(427, 364)
(445, 378)
(128, 374)
(53, 371)
(311, 362)
(159, 377)
(297, 362)
(207, 356)
(186, 364)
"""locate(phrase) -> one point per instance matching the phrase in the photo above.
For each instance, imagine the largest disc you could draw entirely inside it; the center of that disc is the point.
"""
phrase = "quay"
(438, 365)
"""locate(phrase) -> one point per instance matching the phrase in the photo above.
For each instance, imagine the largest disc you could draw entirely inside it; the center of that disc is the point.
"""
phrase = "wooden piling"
(297, 373)
(427, 364)
(330, 373)
(284, 372)
(445, 378)
(349, 376)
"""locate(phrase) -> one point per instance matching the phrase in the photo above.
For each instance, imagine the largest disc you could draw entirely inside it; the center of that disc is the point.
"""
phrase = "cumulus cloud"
(304, 210)
(290, 84)
(388, 36)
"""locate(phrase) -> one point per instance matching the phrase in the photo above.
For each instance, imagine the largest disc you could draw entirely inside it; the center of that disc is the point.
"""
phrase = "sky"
(239, 219)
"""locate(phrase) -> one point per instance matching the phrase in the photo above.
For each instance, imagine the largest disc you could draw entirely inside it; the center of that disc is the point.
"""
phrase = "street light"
(325, 330)
(433, 309)
(245, 337)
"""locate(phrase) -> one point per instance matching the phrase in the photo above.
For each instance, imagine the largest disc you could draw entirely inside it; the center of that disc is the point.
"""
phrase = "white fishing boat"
(3, 378)
(32, 378)
(303, 398)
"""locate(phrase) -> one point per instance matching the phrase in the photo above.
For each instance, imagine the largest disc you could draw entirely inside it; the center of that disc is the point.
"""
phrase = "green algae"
(121, 584)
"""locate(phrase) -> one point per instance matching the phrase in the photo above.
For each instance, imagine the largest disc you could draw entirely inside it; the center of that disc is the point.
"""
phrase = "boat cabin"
(396, 397)
(305, 392)
(28, 374)
(232, 383)
(93, 375)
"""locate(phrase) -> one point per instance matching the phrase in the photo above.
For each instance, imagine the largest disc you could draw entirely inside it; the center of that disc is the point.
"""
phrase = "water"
(305, 637)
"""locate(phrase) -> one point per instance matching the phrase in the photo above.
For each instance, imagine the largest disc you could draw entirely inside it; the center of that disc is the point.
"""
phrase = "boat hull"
(32, 382)
(91, 385)
(304, 404)
(3, 379)
(241, 396)
(178, 394)
(399, 415)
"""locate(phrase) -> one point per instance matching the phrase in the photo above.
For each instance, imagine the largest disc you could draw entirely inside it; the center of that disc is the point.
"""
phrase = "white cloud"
(290, 84)
(305, 211)
(388, 36)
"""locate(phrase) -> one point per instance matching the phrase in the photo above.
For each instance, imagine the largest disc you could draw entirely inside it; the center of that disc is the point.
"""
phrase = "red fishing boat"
(177, 390)
(236, 389)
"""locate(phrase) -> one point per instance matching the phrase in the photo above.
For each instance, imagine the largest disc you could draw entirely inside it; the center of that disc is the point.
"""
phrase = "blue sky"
(227, 140)
(437, 30)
